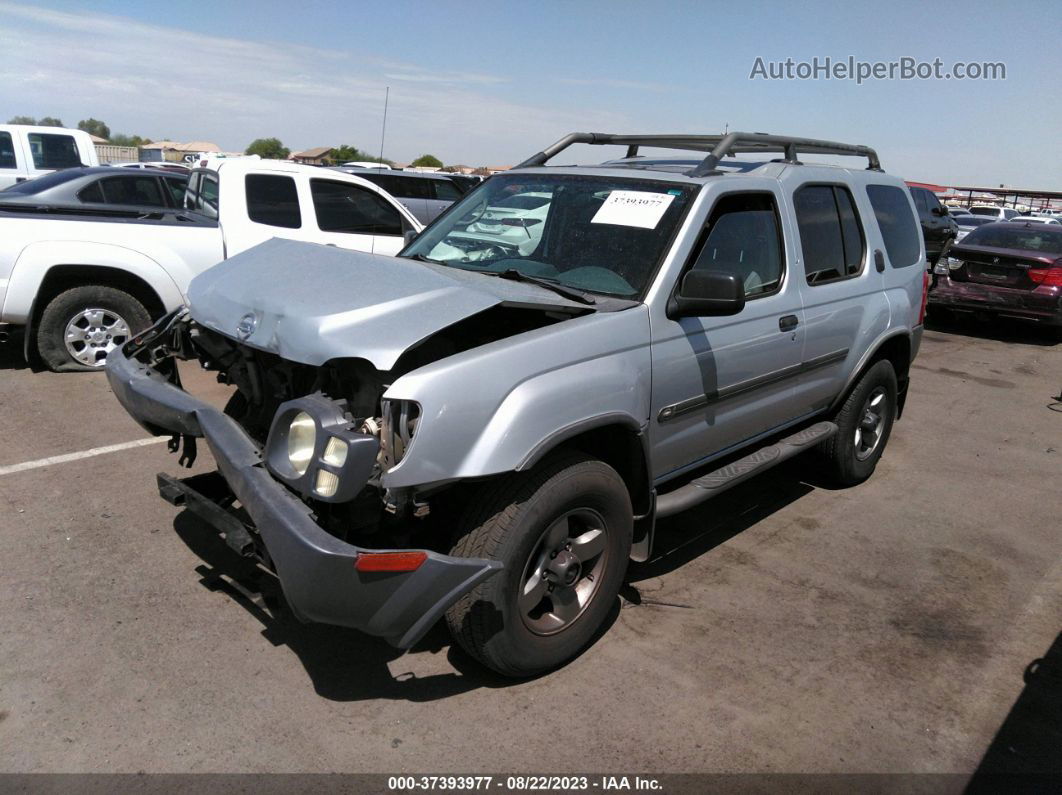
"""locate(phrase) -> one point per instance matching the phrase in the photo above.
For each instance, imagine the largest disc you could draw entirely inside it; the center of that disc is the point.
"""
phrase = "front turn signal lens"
(390, 561)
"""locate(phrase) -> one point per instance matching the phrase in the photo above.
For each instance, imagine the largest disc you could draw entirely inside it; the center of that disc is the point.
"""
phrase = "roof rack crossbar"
(717, 146)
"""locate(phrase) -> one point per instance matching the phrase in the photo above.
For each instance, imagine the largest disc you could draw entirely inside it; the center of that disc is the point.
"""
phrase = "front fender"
(37, 259)
(501, 407)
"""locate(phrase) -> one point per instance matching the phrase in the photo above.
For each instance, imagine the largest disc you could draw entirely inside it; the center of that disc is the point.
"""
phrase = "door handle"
(879, 260)
(787, 322)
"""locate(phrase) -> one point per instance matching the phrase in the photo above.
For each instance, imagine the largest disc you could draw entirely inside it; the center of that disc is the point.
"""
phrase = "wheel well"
(896, 350)
(64, 277)
(622, 449)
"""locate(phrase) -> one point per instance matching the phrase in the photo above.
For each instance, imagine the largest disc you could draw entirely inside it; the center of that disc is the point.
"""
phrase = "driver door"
(721, 381)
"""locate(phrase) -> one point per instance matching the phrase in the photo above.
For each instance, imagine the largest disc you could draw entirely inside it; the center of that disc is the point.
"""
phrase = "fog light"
(335, 452)
(302, 435)
(327, 483)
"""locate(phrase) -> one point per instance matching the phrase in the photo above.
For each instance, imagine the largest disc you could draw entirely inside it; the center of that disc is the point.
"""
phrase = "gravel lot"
(784, 627)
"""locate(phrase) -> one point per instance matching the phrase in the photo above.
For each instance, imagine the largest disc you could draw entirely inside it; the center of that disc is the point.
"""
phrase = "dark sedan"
(1004, 269)
(99, 187)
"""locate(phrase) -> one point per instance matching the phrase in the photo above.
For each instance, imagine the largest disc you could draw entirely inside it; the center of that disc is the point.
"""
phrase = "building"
(318, 156)
(173, 151)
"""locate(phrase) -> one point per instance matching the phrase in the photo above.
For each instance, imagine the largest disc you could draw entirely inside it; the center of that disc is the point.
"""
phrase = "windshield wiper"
(568, 292)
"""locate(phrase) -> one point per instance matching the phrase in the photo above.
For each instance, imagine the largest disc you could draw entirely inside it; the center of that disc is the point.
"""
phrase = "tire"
(511, 522)
(117, 314)
(848, 461)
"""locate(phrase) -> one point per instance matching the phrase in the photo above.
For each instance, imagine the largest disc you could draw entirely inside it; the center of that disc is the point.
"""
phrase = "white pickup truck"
(80, 283)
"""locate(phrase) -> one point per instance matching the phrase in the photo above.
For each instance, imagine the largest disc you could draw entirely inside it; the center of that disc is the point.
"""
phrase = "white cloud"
(161, 81)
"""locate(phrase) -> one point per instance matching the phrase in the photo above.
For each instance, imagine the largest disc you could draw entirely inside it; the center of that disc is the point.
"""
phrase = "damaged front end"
(298, 476)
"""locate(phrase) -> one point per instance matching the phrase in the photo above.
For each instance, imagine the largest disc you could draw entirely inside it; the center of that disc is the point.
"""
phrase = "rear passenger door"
(355, 217)
(444, 193)
(840, 279)
(720, 381)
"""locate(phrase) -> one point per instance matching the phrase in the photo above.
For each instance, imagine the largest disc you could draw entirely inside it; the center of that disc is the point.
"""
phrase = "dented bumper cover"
(317, 571)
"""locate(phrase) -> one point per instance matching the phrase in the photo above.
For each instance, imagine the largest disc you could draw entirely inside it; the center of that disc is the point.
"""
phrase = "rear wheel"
(80, 326)
(864, 423)
(563, 532)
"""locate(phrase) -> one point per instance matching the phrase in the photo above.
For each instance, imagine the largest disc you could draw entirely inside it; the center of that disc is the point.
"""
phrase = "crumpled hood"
(311, 303)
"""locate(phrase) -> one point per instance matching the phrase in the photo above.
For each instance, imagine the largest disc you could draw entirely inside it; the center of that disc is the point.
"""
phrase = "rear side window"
(342, 207)
(176, 188)
(131, 190)
(91, 194)
(445, 190)
(54, 151)
(7, 151)
(743, 236)
(897, 223)
(831, 235)
(919, 197)
(273, 200)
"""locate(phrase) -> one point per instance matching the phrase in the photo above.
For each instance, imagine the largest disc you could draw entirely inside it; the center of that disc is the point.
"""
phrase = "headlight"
(954, 264)
(302, 435)
(314, 446)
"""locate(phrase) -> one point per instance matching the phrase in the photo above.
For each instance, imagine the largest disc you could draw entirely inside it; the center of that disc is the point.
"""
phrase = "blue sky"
(492, 82)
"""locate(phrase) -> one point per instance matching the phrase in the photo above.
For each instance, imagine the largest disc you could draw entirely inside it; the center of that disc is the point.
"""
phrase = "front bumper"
(316, 570)
(1043, 304)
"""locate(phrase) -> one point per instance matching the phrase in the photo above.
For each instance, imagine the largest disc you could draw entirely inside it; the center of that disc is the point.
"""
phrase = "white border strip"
(62, 459)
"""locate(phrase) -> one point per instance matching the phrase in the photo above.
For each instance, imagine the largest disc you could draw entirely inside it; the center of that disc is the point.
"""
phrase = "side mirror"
(940, 209)
(704, 293)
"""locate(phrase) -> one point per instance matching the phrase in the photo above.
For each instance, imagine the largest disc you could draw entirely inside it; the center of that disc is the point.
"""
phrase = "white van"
(27, 151)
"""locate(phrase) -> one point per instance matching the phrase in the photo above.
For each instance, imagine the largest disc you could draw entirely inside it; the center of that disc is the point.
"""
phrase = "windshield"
(599, 234)
(1042, 239)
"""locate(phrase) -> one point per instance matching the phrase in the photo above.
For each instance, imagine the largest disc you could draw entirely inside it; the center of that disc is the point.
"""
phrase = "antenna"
(383, 128)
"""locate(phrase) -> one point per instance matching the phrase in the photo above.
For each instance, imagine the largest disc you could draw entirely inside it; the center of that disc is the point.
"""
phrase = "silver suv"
(487, 427)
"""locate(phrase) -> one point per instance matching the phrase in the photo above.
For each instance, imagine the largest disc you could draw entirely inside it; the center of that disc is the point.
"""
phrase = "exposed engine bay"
(265, 381)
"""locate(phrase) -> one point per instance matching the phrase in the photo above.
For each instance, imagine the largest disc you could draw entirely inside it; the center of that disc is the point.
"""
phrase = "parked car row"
(88, 257)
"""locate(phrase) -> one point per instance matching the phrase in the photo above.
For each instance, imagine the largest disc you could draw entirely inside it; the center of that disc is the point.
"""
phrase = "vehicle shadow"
(11, 357)
(343, 664)
(1002, 329)
(1025, 753)
(685, 537)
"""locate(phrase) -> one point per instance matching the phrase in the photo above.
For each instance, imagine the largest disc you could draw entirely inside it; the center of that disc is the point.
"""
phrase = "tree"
(95, 127)
(121, 139)
(269, 148)
(22, 120)
(427, 161)
(50, 121)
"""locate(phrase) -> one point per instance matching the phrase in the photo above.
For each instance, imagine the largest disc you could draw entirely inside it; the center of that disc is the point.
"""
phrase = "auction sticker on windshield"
(633, 208)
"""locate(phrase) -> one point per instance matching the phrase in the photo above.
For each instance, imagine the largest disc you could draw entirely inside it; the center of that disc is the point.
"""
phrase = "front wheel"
(563, 532)
(80, 326)
(864, 423)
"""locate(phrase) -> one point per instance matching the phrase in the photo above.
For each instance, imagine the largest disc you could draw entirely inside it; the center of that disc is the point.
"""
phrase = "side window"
(342, 207)
(743, 236)
(931, 201)
(831, 236)
(7, 151)
(176, 189)
(132, 190)
(897, 223)
(54, 151)
(91, 194)
(206, 200)
(190, 191)
(445, 190)
(920, 201)
(273, 200)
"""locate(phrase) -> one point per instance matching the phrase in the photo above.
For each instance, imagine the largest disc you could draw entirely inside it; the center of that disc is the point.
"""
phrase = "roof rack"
(717, 146)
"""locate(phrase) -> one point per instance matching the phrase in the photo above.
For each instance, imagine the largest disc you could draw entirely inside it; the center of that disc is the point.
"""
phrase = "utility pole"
(383, 128)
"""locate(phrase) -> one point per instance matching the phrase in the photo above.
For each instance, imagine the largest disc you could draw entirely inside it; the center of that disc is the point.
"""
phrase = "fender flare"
(866, 358)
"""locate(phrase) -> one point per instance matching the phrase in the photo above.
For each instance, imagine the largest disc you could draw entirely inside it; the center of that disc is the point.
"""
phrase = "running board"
(719, 480)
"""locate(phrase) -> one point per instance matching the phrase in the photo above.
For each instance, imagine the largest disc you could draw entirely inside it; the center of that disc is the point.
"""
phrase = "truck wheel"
(80, 326)
(863, 426)
(563, 532)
